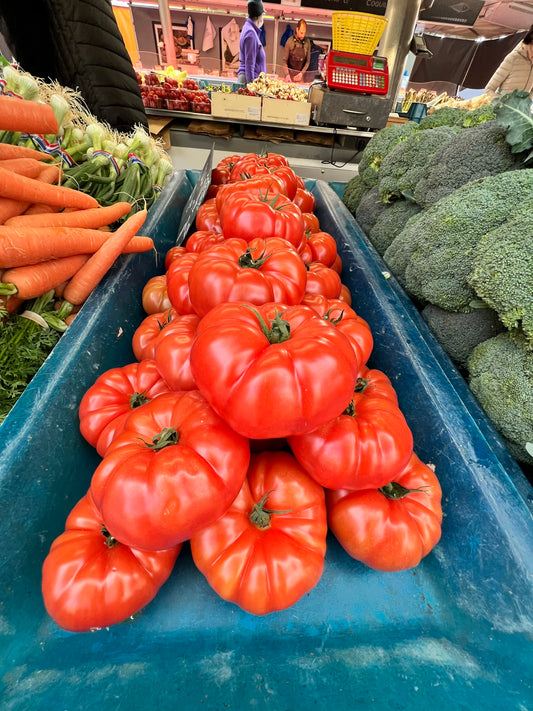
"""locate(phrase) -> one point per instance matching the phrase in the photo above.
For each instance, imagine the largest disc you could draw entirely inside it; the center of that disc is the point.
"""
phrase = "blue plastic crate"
(454, 633)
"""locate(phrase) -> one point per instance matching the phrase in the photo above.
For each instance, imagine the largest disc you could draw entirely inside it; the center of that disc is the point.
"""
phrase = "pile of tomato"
(249, 425)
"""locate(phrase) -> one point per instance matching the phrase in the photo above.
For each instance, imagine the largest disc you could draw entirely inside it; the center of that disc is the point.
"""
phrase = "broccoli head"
(432, 255)
(500, 375)
(447, 116)
(391, 222)
(353, 192)
(403, 166)
(480, 115)
(471, 154)
(369, 209)
(378, 147)
(502, 270)
(460, 333)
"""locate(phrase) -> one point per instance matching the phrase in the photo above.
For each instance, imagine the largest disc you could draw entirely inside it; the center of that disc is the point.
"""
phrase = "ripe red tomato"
(90, 580)
(311, 222)
(323, 280)
(392, 527)
(202, 239)
(221, 172)
(249, 216)
(155, 295)
(173, 254)
(176, 468)
(258, 272)
(145, 334)
(363, 447)
(319, 247)
(273, 370)
(268, 549)
(345, 295)
(355, 328)
(178, 283)
(207, 217)
(107, 403)
(172, 350)
(264, 186)
(304, 199)
(288, 177)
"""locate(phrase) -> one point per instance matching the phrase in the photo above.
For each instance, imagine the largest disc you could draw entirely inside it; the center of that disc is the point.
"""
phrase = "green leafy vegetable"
(513, 112)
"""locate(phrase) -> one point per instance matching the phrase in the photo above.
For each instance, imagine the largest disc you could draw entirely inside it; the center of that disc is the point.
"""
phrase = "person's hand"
(298, 77)
(288, 78)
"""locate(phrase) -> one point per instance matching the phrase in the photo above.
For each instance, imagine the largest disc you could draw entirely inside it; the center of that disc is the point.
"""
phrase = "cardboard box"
(160, 129)
(294, 113)
(235, 106)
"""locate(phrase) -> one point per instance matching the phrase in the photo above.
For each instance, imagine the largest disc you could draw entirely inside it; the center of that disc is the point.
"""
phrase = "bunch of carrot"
(52, 236)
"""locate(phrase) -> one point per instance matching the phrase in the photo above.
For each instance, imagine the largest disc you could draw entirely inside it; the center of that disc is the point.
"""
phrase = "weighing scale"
(357, 72)
(354, 93)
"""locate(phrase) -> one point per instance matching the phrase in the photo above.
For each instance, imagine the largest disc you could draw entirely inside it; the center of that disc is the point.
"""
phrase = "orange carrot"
(19, 247)
(36, 279)
(22, 166)
(19, 187)
(39, 208)
(92, 218)
(26, 116)
(11, 150)
(50, 174)
(91, 273)
(9, 209)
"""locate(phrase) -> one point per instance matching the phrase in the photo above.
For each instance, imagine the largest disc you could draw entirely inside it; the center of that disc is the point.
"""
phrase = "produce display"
(176, 92)
(266, 85)
(249, 426)
(448, 205)
(74, 196)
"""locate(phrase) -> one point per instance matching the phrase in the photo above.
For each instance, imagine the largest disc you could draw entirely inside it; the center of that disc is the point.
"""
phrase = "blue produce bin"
(456, 632)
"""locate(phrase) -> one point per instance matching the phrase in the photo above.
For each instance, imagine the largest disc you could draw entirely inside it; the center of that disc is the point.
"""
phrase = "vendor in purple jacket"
(251, 52)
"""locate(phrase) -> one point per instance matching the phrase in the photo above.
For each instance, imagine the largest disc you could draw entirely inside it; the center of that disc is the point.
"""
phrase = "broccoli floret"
(471, 154)
(369, 209)
(432, 255)
(500, 375)
(502, 270)
(402, 168)
(482, 114)
(390, 223)
(447, 116)
(353, 192)
(460, 333)
(378, 147)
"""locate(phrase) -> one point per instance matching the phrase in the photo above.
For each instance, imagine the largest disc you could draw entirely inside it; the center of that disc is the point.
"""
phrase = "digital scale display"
(357, 72)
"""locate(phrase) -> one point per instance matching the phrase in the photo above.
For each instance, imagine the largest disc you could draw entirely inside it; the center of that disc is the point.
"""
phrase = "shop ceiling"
(496, 18)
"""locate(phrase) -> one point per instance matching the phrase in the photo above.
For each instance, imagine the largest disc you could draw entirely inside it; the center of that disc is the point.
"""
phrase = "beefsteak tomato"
(250, 216)
(391, 527)
(268, 549)
(146, 333)
(172, 350)
(175, 468)
(272, 370)
(113, 396)
(365, 446)
(261, 271)
(90, 580)
(155, 295)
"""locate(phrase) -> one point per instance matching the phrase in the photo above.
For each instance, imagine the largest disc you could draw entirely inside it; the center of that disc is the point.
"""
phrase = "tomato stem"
(138, 399)
(350, 409)
(361, 385)
(247, 261)
(260, 516)
(279, 330)
(394, 490)
(109, 540)
(167, 437)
